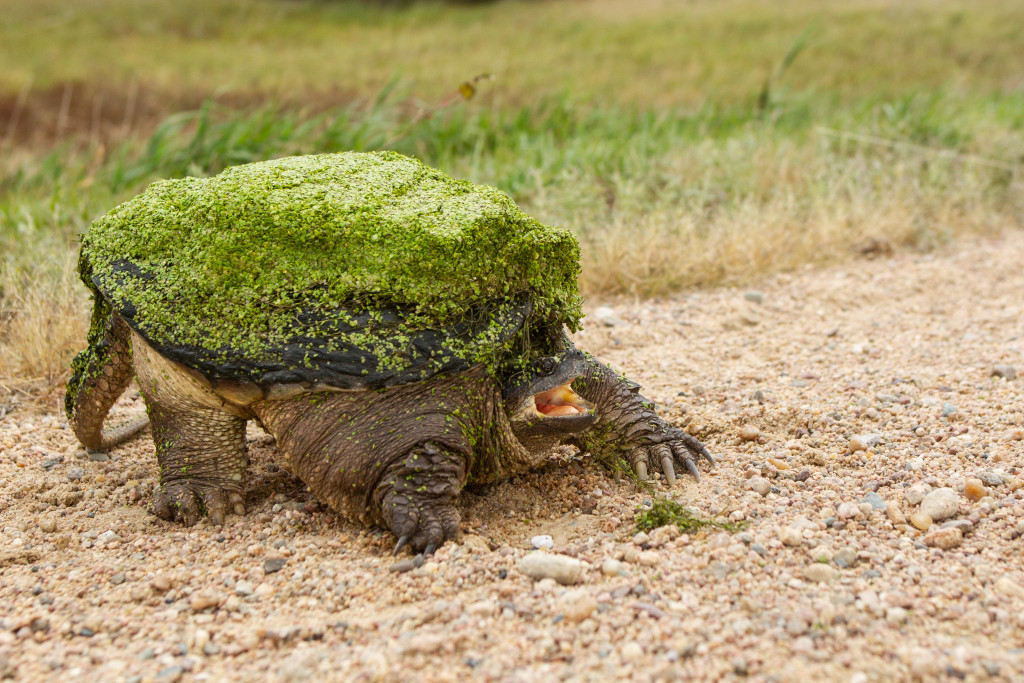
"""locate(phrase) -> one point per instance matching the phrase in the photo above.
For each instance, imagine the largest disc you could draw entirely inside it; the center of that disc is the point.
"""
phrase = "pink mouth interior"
(557, 402)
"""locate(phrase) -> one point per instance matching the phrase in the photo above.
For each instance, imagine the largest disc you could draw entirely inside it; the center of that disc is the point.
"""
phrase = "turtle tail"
(99, 375)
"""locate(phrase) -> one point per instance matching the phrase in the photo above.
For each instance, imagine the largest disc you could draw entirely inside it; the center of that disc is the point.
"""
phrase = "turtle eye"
(546, 365)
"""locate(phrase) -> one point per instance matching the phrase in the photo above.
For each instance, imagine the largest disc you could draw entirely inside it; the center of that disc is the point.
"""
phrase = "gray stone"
(991, 478)
(874, 500)
(948, 409)
(754, 296)
(962, 524)
(273, 564)
(846, 557)
(402, 566)
(541, 565)
(941, 504)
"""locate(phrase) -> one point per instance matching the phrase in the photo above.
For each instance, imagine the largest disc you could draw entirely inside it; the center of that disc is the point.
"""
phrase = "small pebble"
(203, 599)
(848, 510)
(944, 538)
(754, 296)
(47, 524)
(749, 433)
(862, 442)
(948, 409)
(542, 565)
(940, 504)
(974, 490)
(1008, 372)
(273, 564)
(1009, 588)
(820, 573)
(482, 608)
(845, 558)
(790, 536)
(402, 566)
(759, 485)
(921, 520)
(631, 651)
(577, 606)
(542, 541)
(894, 513)
(612, 567)
(874, 500)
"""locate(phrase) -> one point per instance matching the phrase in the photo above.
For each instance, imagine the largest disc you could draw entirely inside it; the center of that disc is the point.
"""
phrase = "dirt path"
(892, 360)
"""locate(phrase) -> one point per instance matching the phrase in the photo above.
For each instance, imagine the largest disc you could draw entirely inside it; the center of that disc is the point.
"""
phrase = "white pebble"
(542, 541)
(540, 565)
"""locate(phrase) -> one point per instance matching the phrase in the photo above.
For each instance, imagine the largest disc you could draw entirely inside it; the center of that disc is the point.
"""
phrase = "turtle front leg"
(416, 496)
(628, 426)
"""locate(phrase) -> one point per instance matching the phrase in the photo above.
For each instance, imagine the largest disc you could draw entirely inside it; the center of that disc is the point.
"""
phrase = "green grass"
(687, 144)
(665, 512)
(644, 52)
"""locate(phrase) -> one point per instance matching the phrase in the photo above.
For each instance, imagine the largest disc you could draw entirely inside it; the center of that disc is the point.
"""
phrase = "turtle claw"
(641, 470)
(429, 550)
(692, 469)
(402, 542)
(669, 469)
(187, 502)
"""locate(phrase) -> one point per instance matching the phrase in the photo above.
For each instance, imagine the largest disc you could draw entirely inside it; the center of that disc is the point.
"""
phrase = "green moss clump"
(665, 511)
(265, 254)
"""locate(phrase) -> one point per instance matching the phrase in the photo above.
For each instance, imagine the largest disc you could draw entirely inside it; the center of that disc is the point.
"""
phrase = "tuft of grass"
(665, 512)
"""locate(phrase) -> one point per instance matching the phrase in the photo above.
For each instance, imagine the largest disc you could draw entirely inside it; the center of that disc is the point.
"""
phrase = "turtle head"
(541, 405)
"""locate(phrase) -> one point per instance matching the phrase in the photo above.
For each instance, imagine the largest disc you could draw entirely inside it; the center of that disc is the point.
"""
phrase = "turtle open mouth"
(561, 401)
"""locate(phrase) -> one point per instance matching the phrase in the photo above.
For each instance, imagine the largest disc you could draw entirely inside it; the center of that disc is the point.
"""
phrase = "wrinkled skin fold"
(396, 457)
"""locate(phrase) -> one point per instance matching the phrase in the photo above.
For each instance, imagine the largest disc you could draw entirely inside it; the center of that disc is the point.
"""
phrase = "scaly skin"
(628, 426)
(199, 439)
(102, 373)
(396, 457)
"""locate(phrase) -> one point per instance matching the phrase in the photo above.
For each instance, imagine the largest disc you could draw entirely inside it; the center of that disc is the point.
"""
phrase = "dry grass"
(790, 206)
(42, 325)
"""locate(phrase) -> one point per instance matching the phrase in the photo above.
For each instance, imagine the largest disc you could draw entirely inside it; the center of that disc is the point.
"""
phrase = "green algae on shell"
(369, 251)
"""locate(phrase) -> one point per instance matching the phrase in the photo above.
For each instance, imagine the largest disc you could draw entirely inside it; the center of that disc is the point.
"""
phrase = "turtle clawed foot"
(679, 449)
(188, 502)
(424, 529)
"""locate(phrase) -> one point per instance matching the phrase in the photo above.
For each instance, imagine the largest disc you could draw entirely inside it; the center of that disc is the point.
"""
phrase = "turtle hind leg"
(203, 462)
(199, 439)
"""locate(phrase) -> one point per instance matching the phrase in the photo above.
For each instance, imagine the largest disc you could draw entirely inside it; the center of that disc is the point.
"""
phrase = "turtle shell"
(353, 270)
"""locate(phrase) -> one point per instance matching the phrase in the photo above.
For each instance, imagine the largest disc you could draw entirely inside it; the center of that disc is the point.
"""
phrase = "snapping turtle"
(398, 332)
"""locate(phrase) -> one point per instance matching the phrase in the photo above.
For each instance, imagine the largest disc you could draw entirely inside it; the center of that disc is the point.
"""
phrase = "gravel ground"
(843, 405)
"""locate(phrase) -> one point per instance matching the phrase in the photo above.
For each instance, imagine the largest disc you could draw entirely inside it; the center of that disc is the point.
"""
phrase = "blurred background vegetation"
(687, 142)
